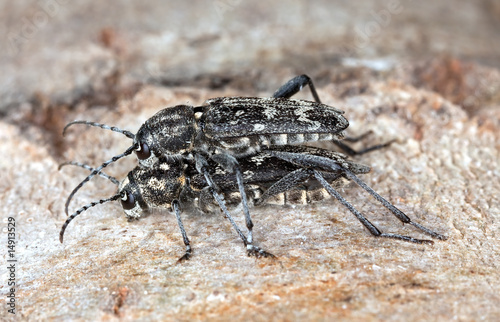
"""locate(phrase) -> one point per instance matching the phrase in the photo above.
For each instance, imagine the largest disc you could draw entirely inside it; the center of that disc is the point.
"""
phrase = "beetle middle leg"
(229, 163)
(252, 250)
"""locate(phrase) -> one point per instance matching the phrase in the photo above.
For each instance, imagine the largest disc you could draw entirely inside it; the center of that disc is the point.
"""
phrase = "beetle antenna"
(79, 211)
(102, 126)
(85, 166)
(94, 172)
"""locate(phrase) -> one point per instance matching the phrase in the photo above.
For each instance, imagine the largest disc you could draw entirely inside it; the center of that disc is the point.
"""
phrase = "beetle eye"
(128, 200)
(143, 151)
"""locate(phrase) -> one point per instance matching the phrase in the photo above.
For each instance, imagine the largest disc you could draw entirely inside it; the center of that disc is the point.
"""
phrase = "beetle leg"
(294, 85)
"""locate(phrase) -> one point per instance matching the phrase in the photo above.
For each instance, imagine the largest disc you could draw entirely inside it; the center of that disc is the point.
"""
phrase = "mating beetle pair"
(231, 135)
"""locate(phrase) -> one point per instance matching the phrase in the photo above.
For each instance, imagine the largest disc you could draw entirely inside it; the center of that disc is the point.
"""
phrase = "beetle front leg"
(187, 254)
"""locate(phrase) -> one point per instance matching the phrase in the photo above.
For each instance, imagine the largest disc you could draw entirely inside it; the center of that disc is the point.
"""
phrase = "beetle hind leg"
(294, 85)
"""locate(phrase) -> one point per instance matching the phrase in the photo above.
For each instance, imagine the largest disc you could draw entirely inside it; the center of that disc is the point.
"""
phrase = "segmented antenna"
(85, 166)
(94, 172)
(84, 208)
(102, 126)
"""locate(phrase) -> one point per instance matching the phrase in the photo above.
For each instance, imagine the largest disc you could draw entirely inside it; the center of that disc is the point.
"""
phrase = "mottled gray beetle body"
(169, 132)
(169, 180)
(243, 125)
(239, 126)
(155, 186)
(239, 149)
(225, 129)
(282, 175)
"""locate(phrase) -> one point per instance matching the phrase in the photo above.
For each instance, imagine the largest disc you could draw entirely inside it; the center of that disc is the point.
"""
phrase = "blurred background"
(61, 53)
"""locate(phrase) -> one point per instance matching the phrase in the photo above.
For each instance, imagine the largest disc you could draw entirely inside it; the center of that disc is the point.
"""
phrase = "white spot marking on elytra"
(258, 127)
(302, 117)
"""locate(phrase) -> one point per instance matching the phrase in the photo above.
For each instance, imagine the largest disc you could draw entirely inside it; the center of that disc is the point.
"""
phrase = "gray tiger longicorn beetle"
(292, 174)
(228, 128)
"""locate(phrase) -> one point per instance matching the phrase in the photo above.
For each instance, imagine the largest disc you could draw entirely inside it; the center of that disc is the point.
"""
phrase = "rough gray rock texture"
(119, 65)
